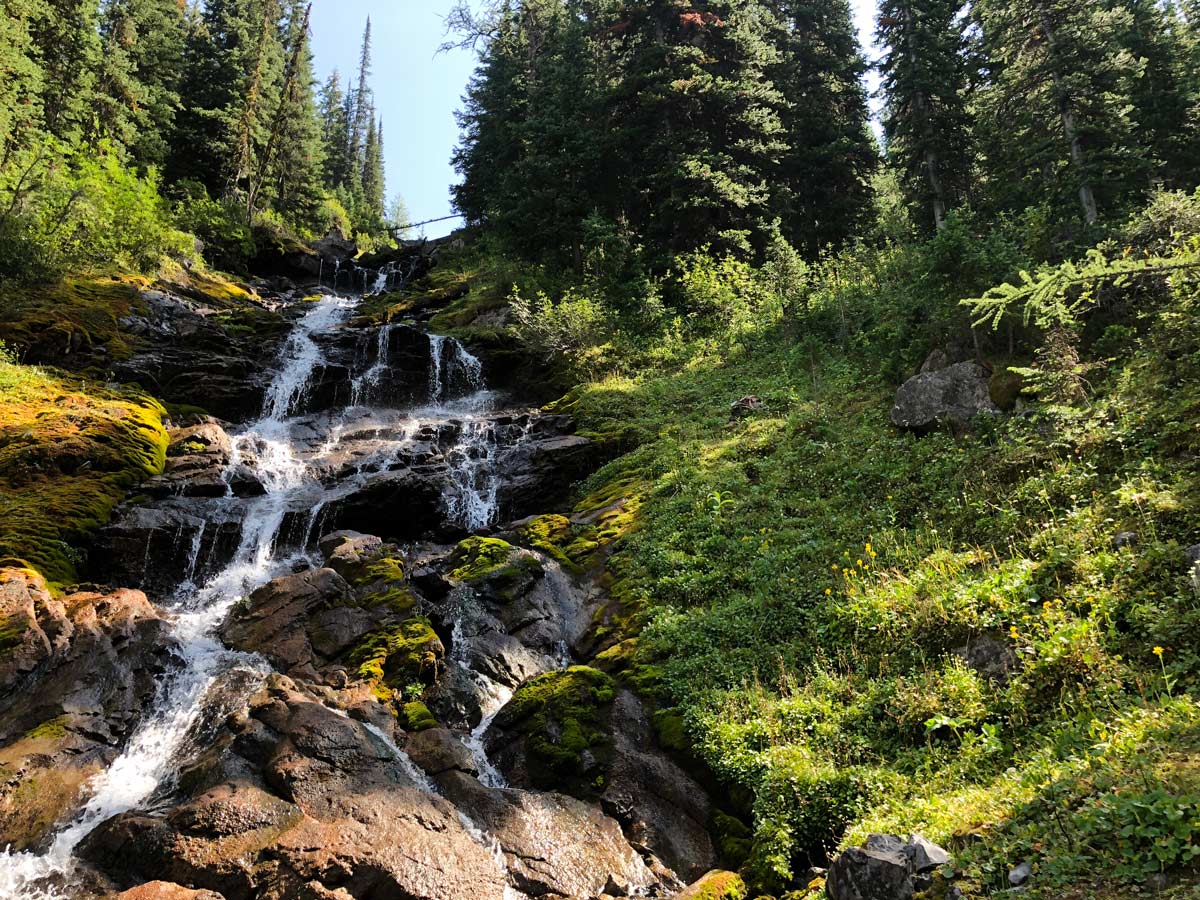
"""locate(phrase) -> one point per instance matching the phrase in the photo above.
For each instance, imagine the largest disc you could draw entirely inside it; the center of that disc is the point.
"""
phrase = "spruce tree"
(335, 134)
(374, 191)
(1056, 116)
(66, 41)
(361, 103)
(137, 95)
(823, 194)
(21, 77)
(926, 80)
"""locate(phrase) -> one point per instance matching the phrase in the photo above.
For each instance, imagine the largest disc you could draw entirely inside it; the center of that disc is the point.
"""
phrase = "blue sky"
(416, 89)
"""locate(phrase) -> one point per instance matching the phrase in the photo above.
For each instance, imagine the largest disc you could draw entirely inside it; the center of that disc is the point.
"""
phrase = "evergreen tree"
(137, 94)
(1163, 98)
(1057, 114)
(361, 103)
(66, 41)
(21, 76)
(824, 190)
(335, 134)
(291, 165)
(374, 191)
(926, 79)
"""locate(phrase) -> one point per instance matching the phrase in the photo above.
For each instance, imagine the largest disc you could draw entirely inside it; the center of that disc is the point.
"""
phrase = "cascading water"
(208, 681)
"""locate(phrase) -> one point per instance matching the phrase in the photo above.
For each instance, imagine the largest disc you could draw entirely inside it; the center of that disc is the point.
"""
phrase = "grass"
(802, 590)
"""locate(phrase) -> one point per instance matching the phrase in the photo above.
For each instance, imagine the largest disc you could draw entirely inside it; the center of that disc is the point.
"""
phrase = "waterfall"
(205, 677)
(201, 661)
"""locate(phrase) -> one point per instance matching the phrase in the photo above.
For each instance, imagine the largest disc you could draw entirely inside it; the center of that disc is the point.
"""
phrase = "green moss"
(400, 655)
(53, 730)
(417, 717)
(69, 452)
(565, 719)
(494, 566)
(478, 557)
(717, 886)
(732, 837)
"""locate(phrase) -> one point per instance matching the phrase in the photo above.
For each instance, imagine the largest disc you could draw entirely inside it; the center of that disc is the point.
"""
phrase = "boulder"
(1020, 875)
(530, 829)
(1192, 556)
(1125, 540)
(164, 890)
(304, 622)
(76, 674)
(299, 801)
(990, 655)
(438, 750)
(715, 885)
(886, 867)
(953, 395)
(745, 407)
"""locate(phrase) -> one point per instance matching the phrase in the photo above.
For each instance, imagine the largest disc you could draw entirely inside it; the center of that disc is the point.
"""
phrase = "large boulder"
(886, 867)
(164, 890)
(76, 673)
(298, 801)
(953, 395)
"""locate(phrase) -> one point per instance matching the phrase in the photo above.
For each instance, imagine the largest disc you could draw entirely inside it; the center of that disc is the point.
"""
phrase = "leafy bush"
(220, 225)
(80, 210)
(573, 330)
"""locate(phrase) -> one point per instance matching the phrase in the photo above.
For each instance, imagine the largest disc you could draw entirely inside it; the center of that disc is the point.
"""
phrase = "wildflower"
(1159, 651)
(828, 591)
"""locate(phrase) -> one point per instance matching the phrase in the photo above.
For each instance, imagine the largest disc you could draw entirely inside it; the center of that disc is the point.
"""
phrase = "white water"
(204, 668)
(148, 760)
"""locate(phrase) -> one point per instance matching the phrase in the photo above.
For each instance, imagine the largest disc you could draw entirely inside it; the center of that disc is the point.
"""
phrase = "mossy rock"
(717, 885)
(417, 717)
(69, 453)
(733, 839)
(1004, 387)
(553, 535)
(400, 655)
(495, 568)
(565, 719)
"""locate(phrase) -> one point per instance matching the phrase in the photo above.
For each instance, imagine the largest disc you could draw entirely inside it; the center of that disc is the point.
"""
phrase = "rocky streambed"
(341, 664)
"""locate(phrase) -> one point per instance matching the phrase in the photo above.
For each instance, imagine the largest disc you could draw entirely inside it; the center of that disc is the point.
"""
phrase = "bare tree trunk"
(1087, 196)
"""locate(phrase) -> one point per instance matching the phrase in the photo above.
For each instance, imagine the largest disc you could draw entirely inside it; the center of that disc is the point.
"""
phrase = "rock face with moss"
(76, 671)
(354, 616)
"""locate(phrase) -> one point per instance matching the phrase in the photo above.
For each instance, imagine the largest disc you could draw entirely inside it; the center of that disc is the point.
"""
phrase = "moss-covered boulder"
(494, 568)
(69, 452)
(716, 885)
(404, 654)
(556, 731)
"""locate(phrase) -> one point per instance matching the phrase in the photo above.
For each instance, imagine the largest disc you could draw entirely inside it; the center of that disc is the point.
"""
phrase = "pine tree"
(66, 42)
(926, 79)
(1057, 114)
(137, 95)
(21, 77)
(824, 192)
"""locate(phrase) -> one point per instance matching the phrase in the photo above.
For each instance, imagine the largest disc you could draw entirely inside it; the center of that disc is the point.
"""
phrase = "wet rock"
(197, 459)
(350, 545)
(322, 807)
(530, 829)
(164, 890)
(155, 547)
(303, 622)
(662, 807)
(954, 395)
(74, 677)
(438, 750)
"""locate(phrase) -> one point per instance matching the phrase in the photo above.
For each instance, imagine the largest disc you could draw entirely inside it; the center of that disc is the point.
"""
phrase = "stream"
(207, 681)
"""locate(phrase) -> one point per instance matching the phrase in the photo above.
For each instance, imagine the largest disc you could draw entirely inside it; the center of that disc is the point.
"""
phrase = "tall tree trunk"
(1087, 196)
